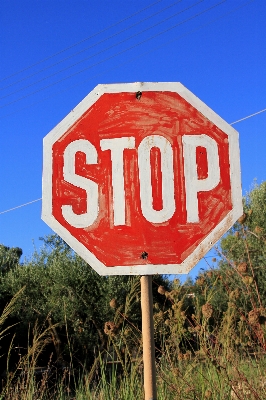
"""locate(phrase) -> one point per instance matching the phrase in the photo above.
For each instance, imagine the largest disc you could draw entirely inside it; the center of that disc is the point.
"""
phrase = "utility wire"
(134, 58)
(87, 48)
(33, 201)
(249, 116)
(102, 51)
(22, 205)
(82, 41)
(116, 54)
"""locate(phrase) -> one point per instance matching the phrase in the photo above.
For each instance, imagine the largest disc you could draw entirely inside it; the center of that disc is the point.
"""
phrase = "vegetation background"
(67, 333)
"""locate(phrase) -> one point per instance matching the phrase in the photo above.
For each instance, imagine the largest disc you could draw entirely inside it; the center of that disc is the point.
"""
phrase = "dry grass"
(199, 355)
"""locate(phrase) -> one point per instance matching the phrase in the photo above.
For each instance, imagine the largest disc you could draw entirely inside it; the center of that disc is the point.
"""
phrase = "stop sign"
(141, 178)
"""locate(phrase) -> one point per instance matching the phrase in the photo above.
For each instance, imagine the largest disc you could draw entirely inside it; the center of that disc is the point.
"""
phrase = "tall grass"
(201, 352)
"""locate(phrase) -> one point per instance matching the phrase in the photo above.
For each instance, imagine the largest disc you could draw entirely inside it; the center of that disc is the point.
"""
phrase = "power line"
(81, 41)
(249, 116)
(22, 205)
(33, 201)
(101, 51)
(87, 48)
(139, 56)
(119, 53)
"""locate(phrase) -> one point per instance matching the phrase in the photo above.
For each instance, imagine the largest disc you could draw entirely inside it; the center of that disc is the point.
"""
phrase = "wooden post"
(148, 338)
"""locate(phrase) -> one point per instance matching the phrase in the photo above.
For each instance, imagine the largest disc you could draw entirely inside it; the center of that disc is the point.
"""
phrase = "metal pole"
(148, 338)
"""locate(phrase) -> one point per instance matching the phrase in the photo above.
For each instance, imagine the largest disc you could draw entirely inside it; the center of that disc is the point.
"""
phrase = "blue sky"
(53, 53)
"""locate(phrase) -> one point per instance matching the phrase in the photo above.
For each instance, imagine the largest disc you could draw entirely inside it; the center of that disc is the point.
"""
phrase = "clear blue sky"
(53, 53)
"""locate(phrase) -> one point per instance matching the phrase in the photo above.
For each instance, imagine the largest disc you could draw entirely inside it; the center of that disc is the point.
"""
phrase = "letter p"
(194, 185)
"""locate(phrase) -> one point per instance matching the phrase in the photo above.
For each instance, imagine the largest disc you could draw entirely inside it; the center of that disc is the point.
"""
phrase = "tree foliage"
(85, 311)
(244, 248)
(9, 257)
(62, 289)
(235, 288)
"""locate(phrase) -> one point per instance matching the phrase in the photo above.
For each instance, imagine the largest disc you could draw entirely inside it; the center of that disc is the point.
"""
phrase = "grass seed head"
(126, 332)
(208, 394)
(187, 355)
(110, 328)
(177, 282)
(253, 317)
(258, 229)
(242, 219)
(161, 290)
(242, 267)
(246, 280)
(113, 303)
(207, 310)
(200, 281)
(234, 294)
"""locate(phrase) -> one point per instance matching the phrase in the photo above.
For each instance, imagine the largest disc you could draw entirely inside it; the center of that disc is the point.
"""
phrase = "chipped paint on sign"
(158, 174)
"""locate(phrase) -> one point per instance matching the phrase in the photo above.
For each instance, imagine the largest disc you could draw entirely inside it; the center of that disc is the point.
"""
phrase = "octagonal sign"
(141, 178)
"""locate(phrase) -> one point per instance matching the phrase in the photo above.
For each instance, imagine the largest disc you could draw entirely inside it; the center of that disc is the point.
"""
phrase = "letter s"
(86, 219)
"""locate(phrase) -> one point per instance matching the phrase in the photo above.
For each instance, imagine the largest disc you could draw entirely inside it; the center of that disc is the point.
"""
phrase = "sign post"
(142, 166)
(148, 338)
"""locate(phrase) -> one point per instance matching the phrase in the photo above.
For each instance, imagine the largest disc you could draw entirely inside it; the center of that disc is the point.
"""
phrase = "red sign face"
(141, 183)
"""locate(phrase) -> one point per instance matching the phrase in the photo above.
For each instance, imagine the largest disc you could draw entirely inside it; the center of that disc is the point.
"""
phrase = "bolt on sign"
(141, 178)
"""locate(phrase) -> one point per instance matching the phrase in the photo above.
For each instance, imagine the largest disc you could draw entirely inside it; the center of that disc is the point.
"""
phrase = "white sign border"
(147, 269)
